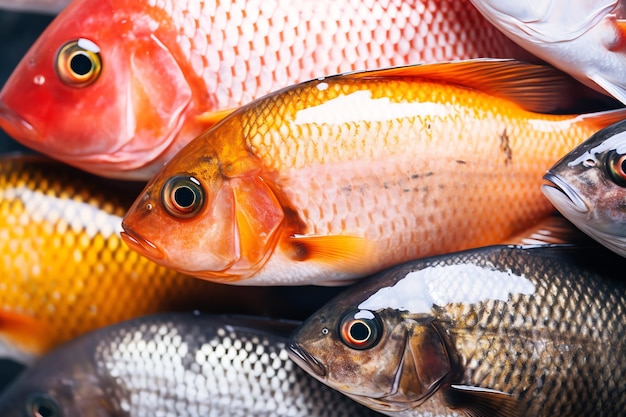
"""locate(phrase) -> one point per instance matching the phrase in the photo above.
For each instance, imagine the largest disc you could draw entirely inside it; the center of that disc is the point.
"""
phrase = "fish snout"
(16, 127)
(141, 245)
(305, 360)
(562, 195)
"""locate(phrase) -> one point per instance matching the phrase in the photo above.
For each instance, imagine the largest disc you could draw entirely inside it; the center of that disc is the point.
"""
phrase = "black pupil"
(81, 64)
(359, 331)
(42, 410)
(623, 164)
(184, 197)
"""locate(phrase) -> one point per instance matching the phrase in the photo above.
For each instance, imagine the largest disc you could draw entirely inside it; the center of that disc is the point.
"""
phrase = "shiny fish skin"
(168, 66)
(181, 365)
(586, 41)
(64, 269)
(543, 324)
(334, 179)
(588, 186)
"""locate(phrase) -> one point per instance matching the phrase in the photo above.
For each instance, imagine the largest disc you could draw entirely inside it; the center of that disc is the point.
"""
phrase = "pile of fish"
(316, 208)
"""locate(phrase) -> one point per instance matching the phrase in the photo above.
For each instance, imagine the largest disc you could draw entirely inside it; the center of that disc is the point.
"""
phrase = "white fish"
(587, 41)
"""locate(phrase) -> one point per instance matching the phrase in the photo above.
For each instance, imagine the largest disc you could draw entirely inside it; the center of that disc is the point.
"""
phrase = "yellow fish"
(333, 179)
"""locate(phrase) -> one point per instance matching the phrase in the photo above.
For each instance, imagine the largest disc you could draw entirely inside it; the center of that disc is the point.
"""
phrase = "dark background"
(17, 32)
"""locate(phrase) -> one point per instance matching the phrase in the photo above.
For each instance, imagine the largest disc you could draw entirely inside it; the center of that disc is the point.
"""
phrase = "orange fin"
(27, 336)
(342, 253)
(600, 120)
(211, 118)
(537, 88)
(480, 402)
(552, 230)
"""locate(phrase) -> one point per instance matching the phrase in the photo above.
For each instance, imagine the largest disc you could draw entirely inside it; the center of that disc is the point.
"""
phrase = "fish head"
(61, 384)
(386, 358)
(588, 186)
(204, 216)
(98, 89)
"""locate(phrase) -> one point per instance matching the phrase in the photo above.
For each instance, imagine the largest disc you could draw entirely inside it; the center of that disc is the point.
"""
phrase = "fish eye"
(360, 329)
(616, 166)
(42, 405)
(182, 196)
(78, 63)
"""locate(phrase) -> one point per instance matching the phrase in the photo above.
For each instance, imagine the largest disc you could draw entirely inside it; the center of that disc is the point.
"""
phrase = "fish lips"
(141, 245)
(16, 127)
(305, 360)
(562, 195)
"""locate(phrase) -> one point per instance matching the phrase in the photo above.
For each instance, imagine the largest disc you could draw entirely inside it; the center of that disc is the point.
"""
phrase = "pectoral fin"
(341, 253)
(482, 402)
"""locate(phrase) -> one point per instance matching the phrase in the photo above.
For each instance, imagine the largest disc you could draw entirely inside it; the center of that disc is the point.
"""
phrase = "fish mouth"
(561, 193)
(305, 360)
(141, 245)
(16, 127)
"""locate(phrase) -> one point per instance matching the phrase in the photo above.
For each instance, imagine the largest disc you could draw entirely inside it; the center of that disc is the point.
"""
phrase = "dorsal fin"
(537, 88)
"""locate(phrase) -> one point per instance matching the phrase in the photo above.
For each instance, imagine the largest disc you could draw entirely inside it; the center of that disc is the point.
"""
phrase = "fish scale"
(544, 324)
(177, 365)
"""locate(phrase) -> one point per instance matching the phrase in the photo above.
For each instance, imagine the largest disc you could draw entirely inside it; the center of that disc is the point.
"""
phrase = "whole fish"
(334, 179)
(180, 365)
(587, 41)
(588, 186)
(64, 269)
(117, 87)
(497, 331)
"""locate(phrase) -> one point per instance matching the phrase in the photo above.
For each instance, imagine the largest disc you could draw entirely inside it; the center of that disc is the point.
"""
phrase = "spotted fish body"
(143, 77)
(500, 330)
(64, 269)
(180, 365)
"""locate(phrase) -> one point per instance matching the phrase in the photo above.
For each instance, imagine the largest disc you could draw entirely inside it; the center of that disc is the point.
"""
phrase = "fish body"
(178, 364)
(121, 86)
(499, 330)
(64, 269)
(343, 176)
(587, 41)
(588, 186)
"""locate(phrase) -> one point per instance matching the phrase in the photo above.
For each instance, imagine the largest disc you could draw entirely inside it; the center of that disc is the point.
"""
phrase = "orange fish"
(117, 87)
(334, 179)
(64, 269)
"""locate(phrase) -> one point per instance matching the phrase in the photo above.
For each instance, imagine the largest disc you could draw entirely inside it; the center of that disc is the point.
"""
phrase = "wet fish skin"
(169, 68)
(180, 365)
(586, 41)
(542, 325)
(64, 269)
(588, 186)
(331, 180)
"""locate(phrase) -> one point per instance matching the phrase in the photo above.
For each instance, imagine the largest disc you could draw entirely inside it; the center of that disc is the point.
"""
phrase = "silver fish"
(495, 331)
(175, 365)
(588, 186)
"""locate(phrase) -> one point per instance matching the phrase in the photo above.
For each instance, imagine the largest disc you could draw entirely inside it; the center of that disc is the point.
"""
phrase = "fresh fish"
(588, 186)
(333, 179)
(587, 40)
(116, 87)
(35, 6)
(180, 365)
(496, 331)
(64, 269)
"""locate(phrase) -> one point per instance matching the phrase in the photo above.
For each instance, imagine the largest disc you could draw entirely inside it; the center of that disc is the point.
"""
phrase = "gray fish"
(495, 331)
(588, 186)
(180, 365)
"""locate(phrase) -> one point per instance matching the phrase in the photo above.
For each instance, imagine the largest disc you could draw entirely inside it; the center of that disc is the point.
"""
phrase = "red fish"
(117, 87)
